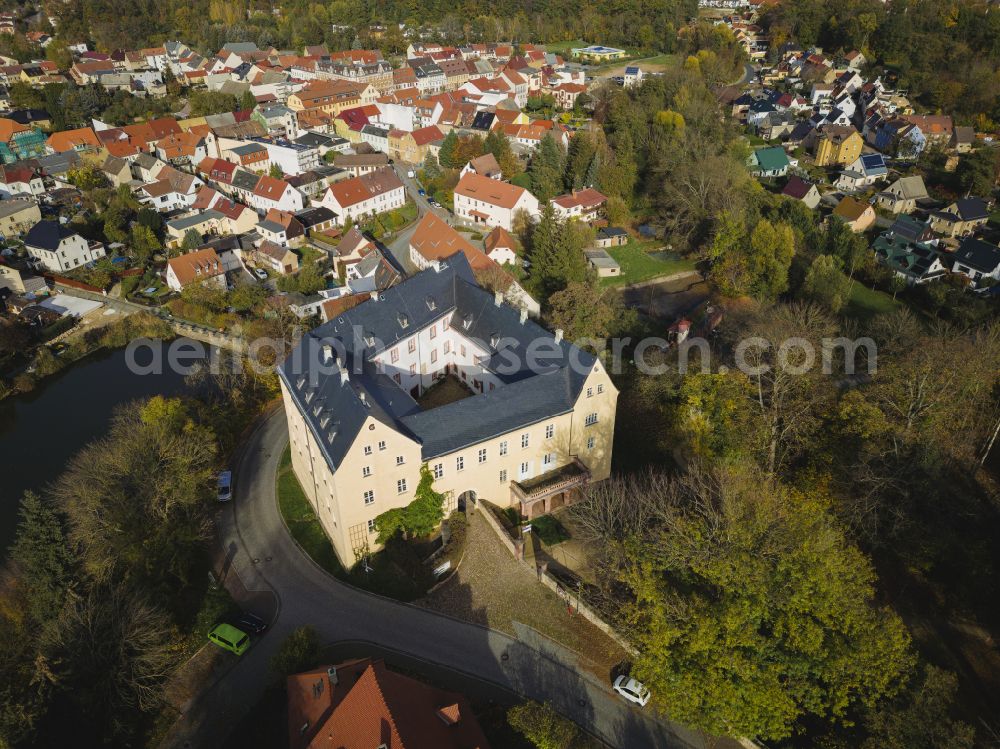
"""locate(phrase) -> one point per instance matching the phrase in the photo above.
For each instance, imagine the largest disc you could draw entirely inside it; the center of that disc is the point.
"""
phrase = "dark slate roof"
(610, 231)
(312, 216)
(336, 407)
(28, 116)
(245, 180)
(314, 140)
(978, 255)
(873, 163)
(47, 235)
(972, 209)
(483, 121)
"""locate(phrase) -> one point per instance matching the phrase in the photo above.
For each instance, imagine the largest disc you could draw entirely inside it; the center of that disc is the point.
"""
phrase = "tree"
(826, 284)
(149, 218)
(432, 169)
(276, 171)
(976, 173)
(205, 102)
(126, 526)
(556, 252)
(246, 296)
(87, 177)
(42, 559)
(546, 169)
(419, 518)
(448, 154)
(300, 651)
(921, 718)
(115, 653)
(248, 102)
(498, 144)
(540, 724)
(750, 610)
(144, 243)
(192, 240)
(584, 310)
(758, 267)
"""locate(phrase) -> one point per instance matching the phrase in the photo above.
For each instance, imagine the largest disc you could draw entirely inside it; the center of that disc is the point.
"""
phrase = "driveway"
(268, 561)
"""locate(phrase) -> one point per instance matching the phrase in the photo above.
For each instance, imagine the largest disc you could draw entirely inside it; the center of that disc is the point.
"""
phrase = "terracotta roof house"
(585, 204)
(200, 266)
(369, 194)
(81, 139)
(485, 165)
(500, 246)
(365, 705)
(480, 200)
(433, 241)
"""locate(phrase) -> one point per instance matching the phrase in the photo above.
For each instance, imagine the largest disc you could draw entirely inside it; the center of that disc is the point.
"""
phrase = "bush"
(544, 727)
(299, 652)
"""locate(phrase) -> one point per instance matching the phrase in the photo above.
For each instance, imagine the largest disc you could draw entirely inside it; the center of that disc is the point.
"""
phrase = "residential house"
(977, 259)
(566, 94)
(366, 705)
(281, 228)
(118, 171)
(203, 223)
(837, 145)
(799, 189)
(270, 192)
(18, 215)
(82, 140)
(367, 195)
(58, 248)
(863, 172)
(316, 219)
(361, 163)
(500, 246)
(586, 204)
(500, 442)
(19, 141)
(915, 261)
(769, 162)
(936, 128)
(858, 215)
(278, 258)
(485, 165)
(963, 139)
(902, 195)
(481, 200)
(199, 266)
(20, 179)
(961, 218)
(414, 147)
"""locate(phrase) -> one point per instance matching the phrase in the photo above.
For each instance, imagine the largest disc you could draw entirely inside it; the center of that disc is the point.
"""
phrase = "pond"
(41, 430)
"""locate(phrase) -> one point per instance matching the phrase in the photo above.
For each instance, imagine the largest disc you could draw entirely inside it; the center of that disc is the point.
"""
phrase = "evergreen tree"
(582, 151)
(432, 169)
(556, 253)
(41, 555)
(498, 144)
(449, 151)
(248, 101)
(546, 170)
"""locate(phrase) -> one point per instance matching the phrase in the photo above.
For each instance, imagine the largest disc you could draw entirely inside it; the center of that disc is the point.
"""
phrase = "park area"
(643, 261)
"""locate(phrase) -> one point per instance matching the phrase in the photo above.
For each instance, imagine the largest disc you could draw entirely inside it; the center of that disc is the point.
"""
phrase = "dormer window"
(404, 321)
(369, 339)
(467, 321)
(431, 304)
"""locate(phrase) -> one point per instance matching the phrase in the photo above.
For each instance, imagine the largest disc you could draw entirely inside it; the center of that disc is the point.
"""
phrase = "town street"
(262, 553)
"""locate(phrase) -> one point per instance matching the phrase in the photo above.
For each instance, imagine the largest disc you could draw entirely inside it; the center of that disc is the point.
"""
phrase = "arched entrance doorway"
(467, 501)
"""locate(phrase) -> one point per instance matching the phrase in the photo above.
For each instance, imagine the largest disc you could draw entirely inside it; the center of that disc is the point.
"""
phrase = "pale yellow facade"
(367, 482)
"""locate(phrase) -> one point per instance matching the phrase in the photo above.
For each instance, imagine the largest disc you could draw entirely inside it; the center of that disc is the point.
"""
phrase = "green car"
(227, 637)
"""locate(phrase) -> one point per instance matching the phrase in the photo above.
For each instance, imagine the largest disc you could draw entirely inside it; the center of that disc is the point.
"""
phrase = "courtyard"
(448, 389)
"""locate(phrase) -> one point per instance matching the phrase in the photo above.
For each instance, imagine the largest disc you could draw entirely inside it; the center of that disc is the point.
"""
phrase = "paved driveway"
(266, 559)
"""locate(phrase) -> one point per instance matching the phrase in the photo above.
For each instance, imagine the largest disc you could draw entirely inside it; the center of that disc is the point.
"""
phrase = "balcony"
(550, 490)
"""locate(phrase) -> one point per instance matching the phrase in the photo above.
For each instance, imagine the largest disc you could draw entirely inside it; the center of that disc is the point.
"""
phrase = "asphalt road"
(268, 562)
(399, 245)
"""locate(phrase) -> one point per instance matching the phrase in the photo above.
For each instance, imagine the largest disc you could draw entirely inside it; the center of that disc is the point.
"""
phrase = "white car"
(632, 690)
(225, 486)
(260, 273)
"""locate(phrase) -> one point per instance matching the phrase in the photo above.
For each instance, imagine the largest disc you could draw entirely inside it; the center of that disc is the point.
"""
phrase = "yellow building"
(837, 144)
(598, 53)
(436, 371)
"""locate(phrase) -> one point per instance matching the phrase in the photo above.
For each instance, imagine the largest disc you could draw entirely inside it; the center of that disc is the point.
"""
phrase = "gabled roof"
(69, 140)
(978, 255)
(47, 235)
(797, 188)
(494, 192)
(485, 165)
(850, 209)
(350, 192)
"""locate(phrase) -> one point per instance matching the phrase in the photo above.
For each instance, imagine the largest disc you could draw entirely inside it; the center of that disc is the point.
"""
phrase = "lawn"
(301, 520)
(865, 304)
(549, 530)
(397, 571)
(563, 48)
(638, 264)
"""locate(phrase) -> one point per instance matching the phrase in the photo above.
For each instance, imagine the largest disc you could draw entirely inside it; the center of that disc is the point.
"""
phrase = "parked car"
(631, 690)
(421, 192)
(228, 637)
(260, 273)
(249, 623)
(225, 486)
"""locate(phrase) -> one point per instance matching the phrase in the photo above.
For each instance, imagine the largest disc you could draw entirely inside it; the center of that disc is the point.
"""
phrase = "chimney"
(327, 353)
(436, 266)
(559, 335)
(524, 315)
(497, 298)
(345, 376)
(374, 295)
(332, 675)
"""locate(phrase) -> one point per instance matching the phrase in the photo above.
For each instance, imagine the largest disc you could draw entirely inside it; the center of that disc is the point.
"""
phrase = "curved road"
(266, 558)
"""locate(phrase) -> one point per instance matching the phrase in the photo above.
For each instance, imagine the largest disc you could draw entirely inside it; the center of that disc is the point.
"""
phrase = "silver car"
(632, 690)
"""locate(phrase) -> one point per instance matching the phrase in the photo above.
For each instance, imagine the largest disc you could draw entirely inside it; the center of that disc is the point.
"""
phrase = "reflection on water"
(40, 431)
